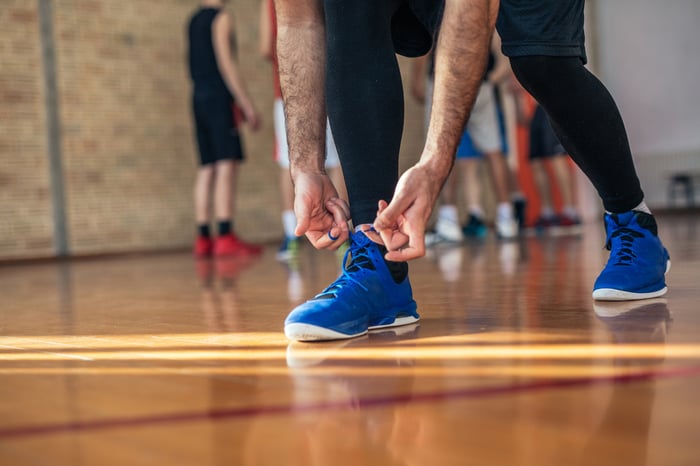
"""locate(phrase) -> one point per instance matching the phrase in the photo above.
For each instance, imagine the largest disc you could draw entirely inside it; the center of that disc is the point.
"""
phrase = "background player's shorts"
(467, 148)
(217, 135)
(542, 27)
(543, 141)
(483, 121)
(414, 24)
(282, 149)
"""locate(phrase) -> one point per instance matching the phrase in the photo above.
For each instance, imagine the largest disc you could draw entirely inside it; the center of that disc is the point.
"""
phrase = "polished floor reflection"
(161, 359)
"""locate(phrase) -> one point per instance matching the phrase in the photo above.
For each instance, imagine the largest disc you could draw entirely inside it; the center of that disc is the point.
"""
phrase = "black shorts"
(414, 25)
(542, 27)
(543, 141)
(527, 27)
(215, 126)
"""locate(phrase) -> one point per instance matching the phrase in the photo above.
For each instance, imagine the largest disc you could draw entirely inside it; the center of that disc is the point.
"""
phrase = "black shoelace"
(624, 255)
(360, 260)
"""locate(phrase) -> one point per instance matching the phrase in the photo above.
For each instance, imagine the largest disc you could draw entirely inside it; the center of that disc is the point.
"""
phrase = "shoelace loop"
(360, 260)
(624, 254)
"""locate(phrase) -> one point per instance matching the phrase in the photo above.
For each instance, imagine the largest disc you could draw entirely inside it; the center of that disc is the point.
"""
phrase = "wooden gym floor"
(161, 360)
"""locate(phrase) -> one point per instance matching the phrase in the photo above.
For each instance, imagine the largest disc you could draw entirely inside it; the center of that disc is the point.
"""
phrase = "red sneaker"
(203, 247)
(231, 245)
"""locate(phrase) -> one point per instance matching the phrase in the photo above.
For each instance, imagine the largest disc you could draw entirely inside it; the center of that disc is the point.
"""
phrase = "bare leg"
(499, 175)
(286, 190)
(471, 184)
(562, 172)
(539, 171)
(202, 190)
(224, 189)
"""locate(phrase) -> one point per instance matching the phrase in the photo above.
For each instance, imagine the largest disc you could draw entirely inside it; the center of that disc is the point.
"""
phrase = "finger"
(389, 214)
(373, 235)
(405, 254)
(321, 240)
(303, 220)
(342, 203)
(415, 247)
(340, 219)
(381, 206)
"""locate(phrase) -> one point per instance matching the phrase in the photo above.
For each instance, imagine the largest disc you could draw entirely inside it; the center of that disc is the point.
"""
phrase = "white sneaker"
(506, 228)
(448, 229)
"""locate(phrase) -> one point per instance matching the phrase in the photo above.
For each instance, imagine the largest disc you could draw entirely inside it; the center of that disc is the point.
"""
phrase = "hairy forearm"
(460, 61)
(301, 53)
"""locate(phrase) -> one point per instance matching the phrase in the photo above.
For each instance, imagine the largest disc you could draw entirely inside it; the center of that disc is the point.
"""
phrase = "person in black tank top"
(218, 96)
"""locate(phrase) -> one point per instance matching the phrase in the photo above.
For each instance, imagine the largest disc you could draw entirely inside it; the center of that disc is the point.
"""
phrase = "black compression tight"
(587, 122)
(364, 98)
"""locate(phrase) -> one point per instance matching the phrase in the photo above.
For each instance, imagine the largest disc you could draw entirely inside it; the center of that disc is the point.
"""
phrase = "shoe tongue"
(642, 219)
(624, 218)
(359, 239)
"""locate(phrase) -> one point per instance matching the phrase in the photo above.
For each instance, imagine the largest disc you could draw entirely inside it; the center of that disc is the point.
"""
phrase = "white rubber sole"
(611, 294)
(399, 321)
(307, 332)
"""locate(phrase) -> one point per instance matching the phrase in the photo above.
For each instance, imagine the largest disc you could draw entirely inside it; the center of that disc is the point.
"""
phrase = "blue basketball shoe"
(638, 261)
(365, 296)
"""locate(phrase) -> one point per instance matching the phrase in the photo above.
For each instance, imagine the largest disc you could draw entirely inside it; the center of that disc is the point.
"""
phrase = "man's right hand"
(321, 215)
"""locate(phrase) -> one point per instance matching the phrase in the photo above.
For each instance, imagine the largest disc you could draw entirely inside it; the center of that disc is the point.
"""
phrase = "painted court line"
(253, 411)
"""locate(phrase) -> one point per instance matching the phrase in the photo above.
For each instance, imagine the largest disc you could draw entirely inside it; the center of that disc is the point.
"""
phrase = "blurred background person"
(220, 103)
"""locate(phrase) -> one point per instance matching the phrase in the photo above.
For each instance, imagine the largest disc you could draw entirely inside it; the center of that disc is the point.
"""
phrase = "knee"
(538, 73)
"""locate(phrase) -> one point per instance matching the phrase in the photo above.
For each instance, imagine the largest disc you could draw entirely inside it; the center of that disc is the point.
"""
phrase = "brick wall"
(25, 207)
(127, 149)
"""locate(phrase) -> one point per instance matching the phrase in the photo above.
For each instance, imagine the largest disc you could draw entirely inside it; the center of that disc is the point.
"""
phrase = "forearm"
(235, 84)
(301, 53)
(460, 61)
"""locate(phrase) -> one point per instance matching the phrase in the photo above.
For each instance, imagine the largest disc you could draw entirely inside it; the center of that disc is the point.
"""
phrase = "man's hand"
(252, 117)
(401, 224)
(321, 215)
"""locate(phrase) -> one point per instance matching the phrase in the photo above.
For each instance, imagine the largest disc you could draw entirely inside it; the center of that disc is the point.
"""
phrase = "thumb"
(388, 214)
(303, 221)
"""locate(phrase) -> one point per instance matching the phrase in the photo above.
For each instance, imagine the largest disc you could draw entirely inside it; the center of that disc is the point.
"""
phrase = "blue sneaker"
(638, 261)
(475, 227)
(289, 249)
(364, 297)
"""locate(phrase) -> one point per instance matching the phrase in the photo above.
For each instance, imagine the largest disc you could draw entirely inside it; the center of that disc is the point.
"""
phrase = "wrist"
(299, 168)
(437, 165)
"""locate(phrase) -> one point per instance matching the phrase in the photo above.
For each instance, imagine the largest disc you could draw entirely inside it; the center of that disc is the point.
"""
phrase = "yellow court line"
(474, 352)
(332, 372)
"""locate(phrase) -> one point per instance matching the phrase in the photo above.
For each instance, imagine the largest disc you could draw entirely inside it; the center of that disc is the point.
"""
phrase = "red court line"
(252, 411)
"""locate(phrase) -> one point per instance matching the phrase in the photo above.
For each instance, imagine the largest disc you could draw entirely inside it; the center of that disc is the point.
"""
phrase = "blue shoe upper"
(637, 260)
(364, 295)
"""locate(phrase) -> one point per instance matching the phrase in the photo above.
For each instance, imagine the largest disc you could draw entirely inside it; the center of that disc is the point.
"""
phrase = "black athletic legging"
(364, 97)
(587, 122)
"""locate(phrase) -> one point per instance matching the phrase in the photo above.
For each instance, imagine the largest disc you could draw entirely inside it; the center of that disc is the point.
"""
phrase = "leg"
(580, 106)
(365, 107)
(544, 190)
(472, 184)
(202, 192)
(562, 173)
(469, 167)
(589, 125)
(365, 100)
(484, 128)
(203, 245)
(223, 190)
